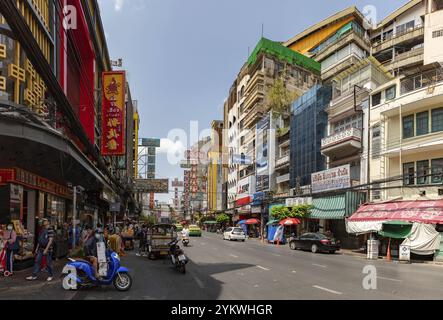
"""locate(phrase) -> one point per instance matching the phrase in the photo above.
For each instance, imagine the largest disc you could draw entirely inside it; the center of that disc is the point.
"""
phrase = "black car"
(315, 242)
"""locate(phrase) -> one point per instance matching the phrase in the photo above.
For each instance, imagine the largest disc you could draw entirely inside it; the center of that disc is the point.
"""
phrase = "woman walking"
(11, 241)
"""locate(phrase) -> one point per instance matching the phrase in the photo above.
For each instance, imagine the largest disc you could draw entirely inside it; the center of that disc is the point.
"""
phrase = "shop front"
(24, 199)
(415, 224)
(328, 214)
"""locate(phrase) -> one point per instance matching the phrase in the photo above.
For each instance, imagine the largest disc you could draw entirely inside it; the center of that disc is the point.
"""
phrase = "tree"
(279, 98)
(283, 212)
(223, 218)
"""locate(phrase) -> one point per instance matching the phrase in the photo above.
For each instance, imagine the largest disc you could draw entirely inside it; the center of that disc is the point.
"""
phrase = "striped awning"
(332, 207)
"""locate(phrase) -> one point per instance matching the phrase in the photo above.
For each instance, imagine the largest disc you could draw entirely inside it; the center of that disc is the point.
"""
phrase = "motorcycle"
(178, 258)
(185, 241)
(80, 273)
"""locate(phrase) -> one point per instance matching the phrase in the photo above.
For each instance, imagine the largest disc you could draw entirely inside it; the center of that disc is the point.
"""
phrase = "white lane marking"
(326, 289)
(263, 268)
(390, 279)
(293, 271)
(276, 255)
(256, 286)
(233, 255)
(319, 265)
(202, 243)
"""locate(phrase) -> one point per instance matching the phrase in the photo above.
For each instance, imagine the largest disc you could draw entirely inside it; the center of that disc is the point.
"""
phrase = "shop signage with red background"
(243, 201)
(33, 181)
(114, 114)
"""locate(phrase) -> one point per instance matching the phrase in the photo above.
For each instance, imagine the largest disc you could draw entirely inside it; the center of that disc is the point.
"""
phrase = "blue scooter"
(80, 273)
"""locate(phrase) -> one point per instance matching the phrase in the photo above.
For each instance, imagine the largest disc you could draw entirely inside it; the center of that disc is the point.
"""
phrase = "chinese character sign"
(113, 114)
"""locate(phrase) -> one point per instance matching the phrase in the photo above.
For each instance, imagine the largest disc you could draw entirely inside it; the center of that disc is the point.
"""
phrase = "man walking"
(44, 249)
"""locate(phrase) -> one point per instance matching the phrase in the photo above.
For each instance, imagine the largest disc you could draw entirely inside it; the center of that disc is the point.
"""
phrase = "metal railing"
(421, 80)
(341, 136)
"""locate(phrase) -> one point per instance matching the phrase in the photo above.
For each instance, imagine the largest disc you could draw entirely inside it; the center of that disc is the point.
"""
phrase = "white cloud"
(170, 147)
(118, 4)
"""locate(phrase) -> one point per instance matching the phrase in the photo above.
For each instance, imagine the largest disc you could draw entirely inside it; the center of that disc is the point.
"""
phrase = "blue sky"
(183, 55)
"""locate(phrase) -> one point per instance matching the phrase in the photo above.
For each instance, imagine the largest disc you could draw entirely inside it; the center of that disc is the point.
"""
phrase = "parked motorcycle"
(80, 273)
(178, 258)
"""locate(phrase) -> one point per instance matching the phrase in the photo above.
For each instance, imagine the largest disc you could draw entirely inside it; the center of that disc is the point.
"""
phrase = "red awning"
(290, 222)
(252, 221)
(243, 201)
(426, 211)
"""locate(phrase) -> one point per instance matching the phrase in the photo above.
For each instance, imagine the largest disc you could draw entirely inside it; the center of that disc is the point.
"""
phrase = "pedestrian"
(12, 246)
(44, 249)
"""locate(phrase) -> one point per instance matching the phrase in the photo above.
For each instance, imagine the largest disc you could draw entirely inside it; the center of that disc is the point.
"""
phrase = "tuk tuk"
(158, 239)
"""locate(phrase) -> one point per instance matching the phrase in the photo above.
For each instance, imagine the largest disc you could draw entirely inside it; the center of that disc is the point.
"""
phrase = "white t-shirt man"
(185, 233)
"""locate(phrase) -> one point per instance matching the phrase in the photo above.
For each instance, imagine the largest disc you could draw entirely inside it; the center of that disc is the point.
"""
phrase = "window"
(422, 172)
(376, 141)
(408, 127)
(376, 99)
(437, 170)
(422, 120)
(390, 93)
(405, 27)
(437, 120)
(437, 33)
(408, 173)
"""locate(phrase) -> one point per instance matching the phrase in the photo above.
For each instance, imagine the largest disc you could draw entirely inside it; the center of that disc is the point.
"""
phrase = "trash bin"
(373, 246)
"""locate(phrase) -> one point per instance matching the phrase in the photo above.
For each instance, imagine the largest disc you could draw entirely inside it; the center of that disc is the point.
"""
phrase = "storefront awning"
(424, 211)
(333, 207)
(396, 229)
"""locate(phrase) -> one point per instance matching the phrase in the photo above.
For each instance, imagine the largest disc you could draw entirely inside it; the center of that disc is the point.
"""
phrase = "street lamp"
(78, 189)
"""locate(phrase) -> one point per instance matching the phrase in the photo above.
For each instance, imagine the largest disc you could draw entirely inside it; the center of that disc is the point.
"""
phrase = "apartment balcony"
(283, 178)
(416, 92)
(254, 94)
(282, 162)
(253, 115)
(345, 105)
(409, 36)
(340, 66)
(406, 59)
(340, 43)
(342, 144)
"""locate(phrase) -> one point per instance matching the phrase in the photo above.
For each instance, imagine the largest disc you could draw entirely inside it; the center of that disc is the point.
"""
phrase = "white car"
(234, 234)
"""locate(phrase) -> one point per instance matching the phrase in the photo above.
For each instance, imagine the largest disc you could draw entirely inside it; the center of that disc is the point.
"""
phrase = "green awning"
(397, 223)
(396, 229)
(272, 222)
(333, 207)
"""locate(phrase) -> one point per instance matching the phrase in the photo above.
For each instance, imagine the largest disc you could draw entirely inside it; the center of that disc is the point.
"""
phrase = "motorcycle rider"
(185, 233)
(90, 249)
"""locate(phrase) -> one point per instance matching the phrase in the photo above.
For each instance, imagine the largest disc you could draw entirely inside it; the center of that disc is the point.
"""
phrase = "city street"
(236, 271)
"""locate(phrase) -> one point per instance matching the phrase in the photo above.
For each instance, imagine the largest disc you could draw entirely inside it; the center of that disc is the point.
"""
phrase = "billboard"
(332, 179)
(113, 141)
(177, 184)
(151, 142)
(152, 185)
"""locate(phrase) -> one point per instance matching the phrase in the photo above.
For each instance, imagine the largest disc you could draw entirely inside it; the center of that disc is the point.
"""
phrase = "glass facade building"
(309, 123)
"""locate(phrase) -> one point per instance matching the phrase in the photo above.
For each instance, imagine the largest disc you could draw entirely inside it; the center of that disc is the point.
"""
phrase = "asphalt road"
(252, 270)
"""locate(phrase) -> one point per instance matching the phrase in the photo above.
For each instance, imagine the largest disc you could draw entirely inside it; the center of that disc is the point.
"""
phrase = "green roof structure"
(285, 54)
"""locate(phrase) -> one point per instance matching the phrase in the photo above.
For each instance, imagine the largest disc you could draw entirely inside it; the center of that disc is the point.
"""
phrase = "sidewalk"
(361, 254)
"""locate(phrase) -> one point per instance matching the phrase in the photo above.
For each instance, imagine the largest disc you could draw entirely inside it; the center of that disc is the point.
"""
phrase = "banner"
(114, 114)
(332, 179)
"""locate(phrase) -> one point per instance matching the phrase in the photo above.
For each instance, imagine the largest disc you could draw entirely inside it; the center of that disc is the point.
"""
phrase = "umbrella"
(252, 221)
(241, 222)
(290, 221)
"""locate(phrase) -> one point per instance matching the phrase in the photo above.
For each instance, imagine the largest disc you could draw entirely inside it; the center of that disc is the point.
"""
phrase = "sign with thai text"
(332, 179)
